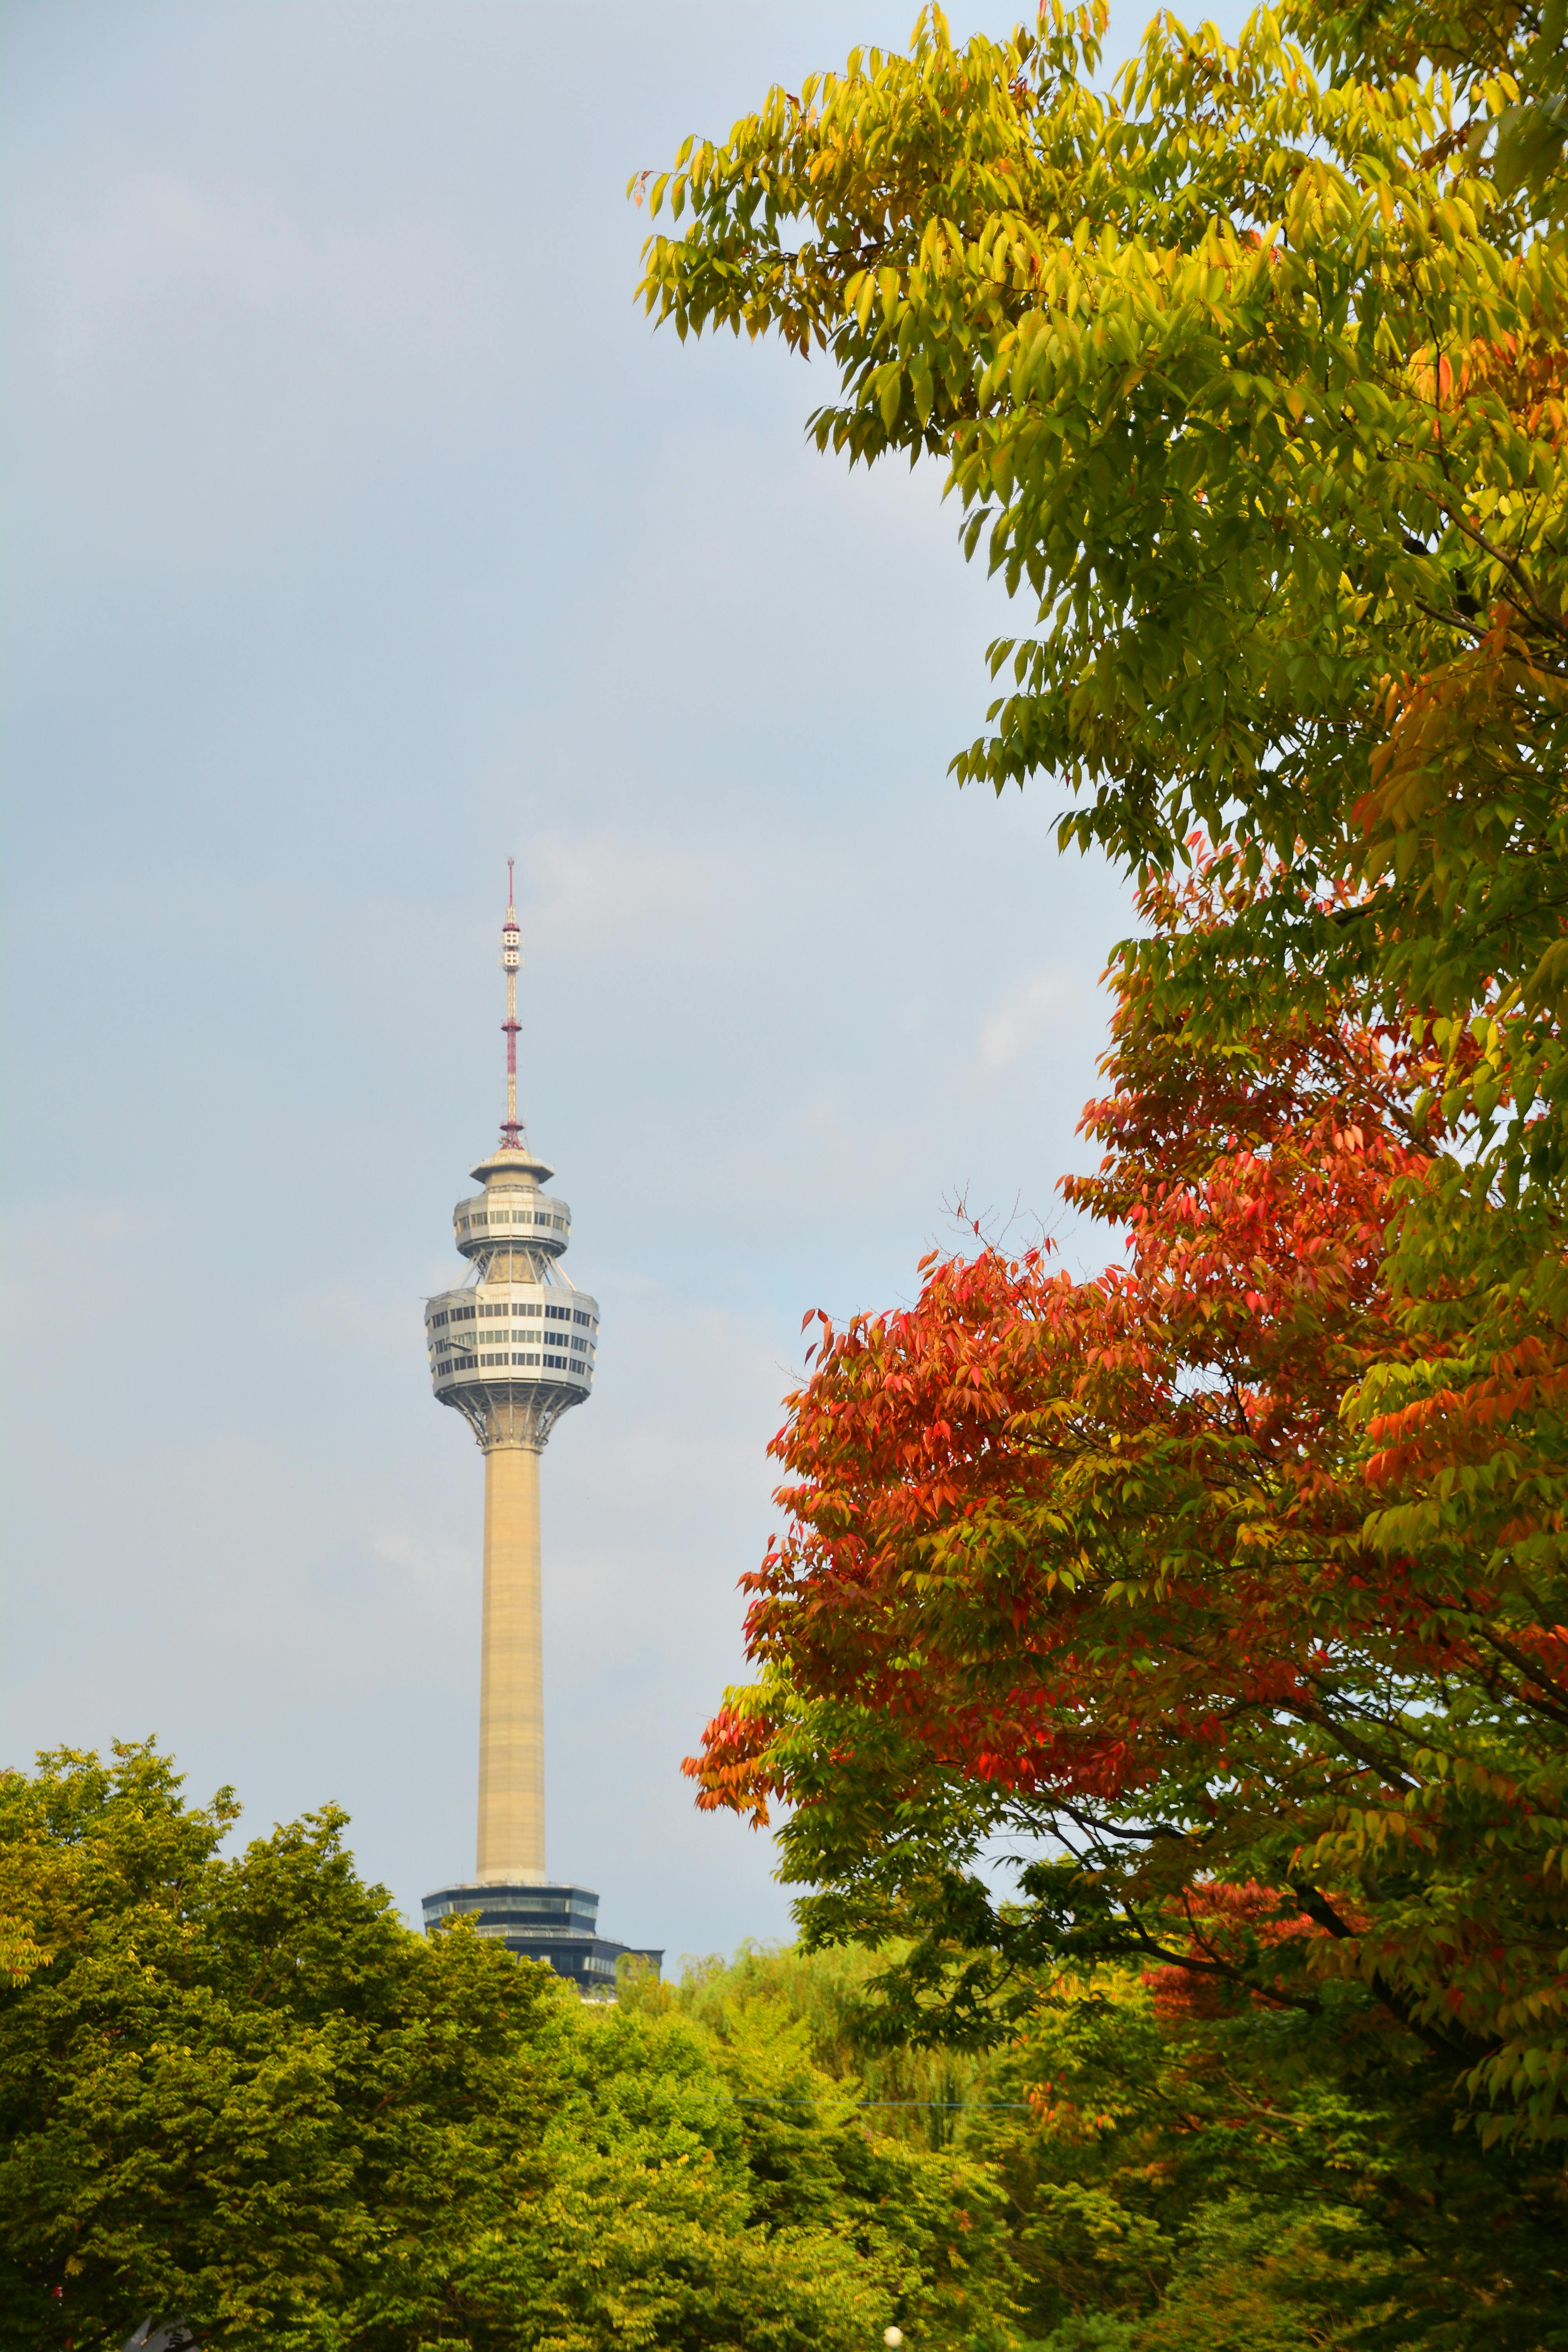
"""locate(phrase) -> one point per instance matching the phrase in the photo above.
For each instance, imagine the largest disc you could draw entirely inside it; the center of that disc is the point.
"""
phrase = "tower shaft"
(512, 1680)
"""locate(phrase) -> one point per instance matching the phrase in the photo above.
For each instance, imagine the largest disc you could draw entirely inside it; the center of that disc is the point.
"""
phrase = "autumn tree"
(1234, 1582)
(1087, 1648)
(1088, 1563)
(1247, 375)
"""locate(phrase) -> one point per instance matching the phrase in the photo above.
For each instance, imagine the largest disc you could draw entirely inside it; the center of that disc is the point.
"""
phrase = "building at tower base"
(557, 1925)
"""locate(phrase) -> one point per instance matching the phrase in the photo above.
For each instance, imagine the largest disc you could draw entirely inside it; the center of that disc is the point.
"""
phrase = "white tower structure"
(511, 1348)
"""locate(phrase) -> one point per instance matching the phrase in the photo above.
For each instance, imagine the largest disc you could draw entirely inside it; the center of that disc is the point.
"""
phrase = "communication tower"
(511, 1348)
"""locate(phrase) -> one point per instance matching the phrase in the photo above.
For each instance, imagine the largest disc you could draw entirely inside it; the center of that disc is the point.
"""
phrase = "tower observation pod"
(511, 1348)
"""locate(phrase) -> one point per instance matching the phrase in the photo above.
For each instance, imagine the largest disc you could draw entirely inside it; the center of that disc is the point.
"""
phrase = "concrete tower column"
(511, 1674)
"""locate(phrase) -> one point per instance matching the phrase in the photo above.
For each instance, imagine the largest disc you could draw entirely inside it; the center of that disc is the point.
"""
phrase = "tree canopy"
(1096, 1575)
(237, 2090)
(1248, 377)
(1176, 2175)
(1231, 1583)
(1090, 1561)
(1252, 383)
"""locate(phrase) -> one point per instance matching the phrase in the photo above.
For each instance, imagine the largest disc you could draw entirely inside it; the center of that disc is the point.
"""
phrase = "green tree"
(1175, 2169)
(1204, 2172)
(237, 2089)
(916, 2091)
(1253, 387)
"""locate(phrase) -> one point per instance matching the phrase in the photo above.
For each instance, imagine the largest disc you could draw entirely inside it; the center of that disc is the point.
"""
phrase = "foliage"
(933, 2218)
(239, 2090)
(1084, 1570)
(236, 2088)
(1177, 2176)
(1248, 376)
(1217, 2179)
(916, 2092)
(1087, 1563)
(1172, 2184)
(1231, 1584)
(1254, 385)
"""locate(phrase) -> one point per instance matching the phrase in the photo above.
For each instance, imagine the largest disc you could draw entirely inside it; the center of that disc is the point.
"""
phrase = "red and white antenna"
(511, 957)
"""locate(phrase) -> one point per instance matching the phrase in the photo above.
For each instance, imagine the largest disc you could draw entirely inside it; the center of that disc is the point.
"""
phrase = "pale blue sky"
(361, 532)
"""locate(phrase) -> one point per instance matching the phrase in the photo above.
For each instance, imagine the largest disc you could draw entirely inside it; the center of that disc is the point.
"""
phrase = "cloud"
(203, 367)
(163, 253)
(363, 533)
(1021, 1018)
(608, 886)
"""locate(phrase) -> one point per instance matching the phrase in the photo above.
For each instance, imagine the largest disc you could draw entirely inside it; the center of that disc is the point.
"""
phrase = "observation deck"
(511, 1346)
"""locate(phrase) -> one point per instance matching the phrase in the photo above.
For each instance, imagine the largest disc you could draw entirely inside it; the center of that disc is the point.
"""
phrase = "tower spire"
(511, 957)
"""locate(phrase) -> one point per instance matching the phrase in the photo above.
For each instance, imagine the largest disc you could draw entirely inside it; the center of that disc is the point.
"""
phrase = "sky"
(363, 533)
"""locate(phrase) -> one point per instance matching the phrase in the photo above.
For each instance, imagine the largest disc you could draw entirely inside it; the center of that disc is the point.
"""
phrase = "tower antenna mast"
(511, 957)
